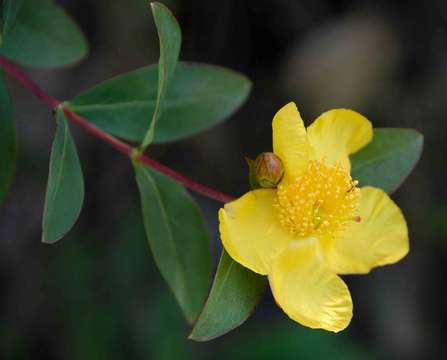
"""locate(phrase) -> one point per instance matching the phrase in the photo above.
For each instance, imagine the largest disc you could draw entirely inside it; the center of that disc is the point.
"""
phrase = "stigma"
(322, 201)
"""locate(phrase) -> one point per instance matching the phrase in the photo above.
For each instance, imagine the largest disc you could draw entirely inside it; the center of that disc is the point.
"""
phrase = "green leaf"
(177, 237)
(44, 36)
(199, 97)
(234, 294)
(7, 140)
(170, 37)
(10, 10)
(65, 187)
(388, 159)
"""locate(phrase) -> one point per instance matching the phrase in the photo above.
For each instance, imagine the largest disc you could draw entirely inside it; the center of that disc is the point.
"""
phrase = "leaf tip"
(199, 336)
(195, 337)
(49, 238)
(192, 337)
(47, 241)
(155, 4)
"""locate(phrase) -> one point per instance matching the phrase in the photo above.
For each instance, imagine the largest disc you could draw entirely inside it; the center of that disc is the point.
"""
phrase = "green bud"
(266, 170)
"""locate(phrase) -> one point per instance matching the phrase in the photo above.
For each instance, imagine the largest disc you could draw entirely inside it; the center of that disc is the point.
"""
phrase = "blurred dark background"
(97, 293)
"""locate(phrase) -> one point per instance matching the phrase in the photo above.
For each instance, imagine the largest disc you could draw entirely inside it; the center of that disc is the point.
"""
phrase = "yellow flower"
(317, 223)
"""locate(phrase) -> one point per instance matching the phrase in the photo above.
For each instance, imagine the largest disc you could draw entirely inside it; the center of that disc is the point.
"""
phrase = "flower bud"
(266, 170)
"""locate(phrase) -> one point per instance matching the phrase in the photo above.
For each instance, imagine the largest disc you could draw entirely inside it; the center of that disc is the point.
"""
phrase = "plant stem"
(119, 145)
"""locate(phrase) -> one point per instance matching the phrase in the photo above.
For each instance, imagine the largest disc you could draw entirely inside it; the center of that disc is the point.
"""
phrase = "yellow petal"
(250, 230)
(337, 133)
(380, 238)
(290, 140)
(308, 291)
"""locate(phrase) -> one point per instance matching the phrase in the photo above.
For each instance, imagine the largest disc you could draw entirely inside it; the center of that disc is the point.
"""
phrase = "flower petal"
(380, 238)
(308, 291)
(251, 232)
(337, 133)
(290, 140)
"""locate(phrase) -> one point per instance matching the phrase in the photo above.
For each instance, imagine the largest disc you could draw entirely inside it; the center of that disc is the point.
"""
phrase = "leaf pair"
(174, 226)
(199, 96)
(35, 33)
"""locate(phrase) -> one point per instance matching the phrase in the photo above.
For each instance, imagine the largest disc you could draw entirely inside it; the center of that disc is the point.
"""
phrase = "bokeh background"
(97, 293)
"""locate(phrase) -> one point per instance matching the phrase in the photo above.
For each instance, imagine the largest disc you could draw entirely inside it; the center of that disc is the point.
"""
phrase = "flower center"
(320, 202)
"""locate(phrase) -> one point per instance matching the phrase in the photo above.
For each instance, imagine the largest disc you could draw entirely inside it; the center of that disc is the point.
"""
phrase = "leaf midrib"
(146, 103)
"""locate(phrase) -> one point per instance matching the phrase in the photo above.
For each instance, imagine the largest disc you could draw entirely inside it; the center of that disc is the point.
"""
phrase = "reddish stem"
(27, 83)
(121, 146)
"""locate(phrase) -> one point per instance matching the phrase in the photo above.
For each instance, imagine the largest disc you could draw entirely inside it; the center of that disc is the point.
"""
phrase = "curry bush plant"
(318, 206)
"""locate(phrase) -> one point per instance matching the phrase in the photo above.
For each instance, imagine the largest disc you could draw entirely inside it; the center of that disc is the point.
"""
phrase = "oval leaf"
(7, 140)
(65, 187)
(177, 237)
(199, 97)
(234, 294)
(44, 36)
(170, 38)
(388, 159)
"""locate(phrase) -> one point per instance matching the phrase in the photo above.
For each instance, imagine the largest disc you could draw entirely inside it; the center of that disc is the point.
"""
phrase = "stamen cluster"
(320, 202)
